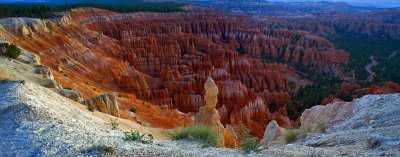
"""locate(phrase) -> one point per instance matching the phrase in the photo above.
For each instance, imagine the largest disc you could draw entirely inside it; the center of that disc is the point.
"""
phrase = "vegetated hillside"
(166, 58)
(364, 35)
(51, 10)
(370, 38)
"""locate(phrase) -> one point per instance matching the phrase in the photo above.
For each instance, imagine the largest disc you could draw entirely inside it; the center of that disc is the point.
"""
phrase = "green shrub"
(250, 144)
(90, 108)
(136, 136)
(114, 124)
(51, 10)
(133, 110)
(12, 51)
(206, 135)
(108, 150)
(104, 150)
(321, 127)
(133, 136)
(291, 135)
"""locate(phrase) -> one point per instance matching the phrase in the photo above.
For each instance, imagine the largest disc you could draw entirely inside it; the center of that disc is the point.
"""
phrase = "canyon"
(154, 72)
(164, 60)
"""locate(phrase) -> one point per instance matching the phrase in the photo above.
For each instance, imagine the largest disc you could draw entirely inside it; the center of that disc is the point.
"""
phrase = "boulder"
(106, 103)
(49, 83)
(377, 140)
(29, 58)
(272, 134)
(71, 94)
(44, 71)
(328, 115)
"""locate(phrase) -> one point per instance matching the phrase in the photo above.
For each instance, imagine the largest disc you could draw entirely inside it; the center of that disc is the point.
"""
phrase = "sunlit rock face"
(273, 134)
(165, 59)
(106, 103)
(207, 114)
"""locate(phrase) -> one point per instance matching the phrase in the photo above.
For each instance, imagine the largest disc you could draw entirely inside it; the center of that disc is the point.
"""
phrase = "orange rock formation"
(158, 63)
(207, 114)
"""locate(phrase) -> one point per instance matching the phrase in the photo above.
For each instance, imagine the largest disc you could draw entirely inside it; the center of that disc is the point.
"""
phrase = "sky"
(376, 3)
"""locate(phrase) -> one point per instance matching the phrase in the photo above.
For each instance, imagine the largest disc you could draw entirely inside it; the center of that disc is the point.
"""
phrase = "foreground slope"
(37, 121)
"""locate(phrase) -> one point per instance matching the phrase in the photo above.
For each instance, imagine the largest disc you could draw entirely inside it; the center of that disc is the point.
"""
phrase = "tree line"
(50, 11)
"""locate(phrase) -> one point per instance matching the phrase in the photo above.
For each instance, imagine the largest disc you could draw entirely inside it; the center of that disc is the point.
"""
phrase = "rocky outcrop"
(366, 125)
(354, 115)
(329, 115)
(272, 134)
(71, 94)
(49, 83)
(106, 103)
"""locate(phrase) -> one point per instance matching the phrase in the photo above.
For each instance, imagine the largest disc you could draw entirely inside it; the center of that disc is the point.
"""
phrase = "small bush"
(291, 135)
(114, 124)
(206, 135)
(104, 150)
(250, 144)
(133, 110)
(108, 150)
(136, 136)
(321, 127)
(90, 108)
(12, 51)
(50, 30)
(133, 136)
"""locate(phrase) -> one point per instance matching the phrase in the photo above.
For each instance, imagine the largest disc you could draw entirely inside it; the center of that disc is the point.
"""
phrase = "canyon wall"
(165, 59)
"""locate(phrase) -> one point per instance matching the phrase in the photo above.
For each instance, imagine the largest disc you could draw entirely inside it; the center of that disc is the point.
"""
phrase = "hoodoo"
(160, 78)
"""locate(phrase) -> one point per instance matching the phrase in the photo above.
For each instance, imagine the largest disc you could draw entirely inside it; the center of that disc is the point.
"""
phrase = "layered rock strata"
(106, 103)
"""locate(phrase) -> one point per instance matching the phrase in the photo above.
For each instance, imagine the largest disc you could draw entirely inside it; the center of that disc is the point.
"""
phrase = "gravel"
(35, 121)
